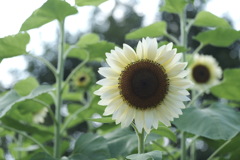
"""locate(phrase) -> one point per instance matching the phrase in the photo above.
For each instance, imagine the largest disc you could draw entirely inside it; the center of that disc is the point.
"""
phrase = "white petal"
(129, 52)
(108, 82)
(139, 49)
(118, 67)
(175, 70)
(139, 120)
(129, 117)
(149, 118)
(112, 107)
(152, 49)
(163, 116)
(108, 72)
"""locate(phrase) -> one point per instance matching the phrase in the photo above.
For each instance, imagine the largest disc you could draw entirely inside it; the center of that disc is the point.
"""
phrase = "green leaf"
(153, 155)
(42, 156)
(15, 45)
(24, 87)
(49, 11)
(220, 37)
(87, 39)
(207, 19)
(121, 142)
(102, 120)
(174, 6)
(166, 132)
(92, 146)
(12, 97)
(89, 2)
(154, 30)
(13, 123)
(229, 88)
(98, 50)
(216, 122)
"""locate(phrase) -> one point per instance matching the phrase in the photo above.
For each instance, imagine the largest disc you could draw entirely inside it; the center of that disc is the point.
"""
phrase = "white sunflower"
(143, 86)
(39, 116)
(204, 72)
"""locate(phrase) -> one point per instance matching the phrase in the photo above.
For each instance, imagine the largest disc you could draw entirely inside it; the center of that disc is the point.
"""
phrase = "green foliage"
(153, 155)
(49, 11)
(215, 122)
(102, 120)
(24, 87)
(91, 146)
(166, 132)
(220, 37)
(174, 6)
(229, 88)
(154, 30)
(91, 45)
(12, 97)
(90, 2)
(15, 45)
(207, 19)
(42, 156)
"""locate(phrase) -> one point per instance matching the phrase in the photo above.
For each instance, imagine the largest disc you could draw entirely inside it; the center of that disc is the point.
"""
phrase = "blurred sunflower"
(40, 116)
(204, 72)
(83, 78)
(145, 86)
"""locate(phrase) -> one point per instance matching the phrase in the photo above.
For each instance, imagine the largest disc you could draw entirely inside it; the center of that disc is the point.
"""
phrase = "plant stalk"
(183, 145)
(59, 81)
(141, 139)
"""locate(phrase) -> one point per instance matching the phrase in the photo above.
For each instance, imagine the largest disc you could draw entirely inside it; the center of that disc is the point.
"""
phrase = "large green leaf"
(230, 86)
(13, 123)
(174, 6)
(49, 11)
(42, 156)
(24, 87)
(207, 19)
(166, 132)
(92, 146)
(89, 2)
(15, 45)
(153, 155)
(220, 37)
(154, 30)
(12, 97)
(216, 122)
(122, 142)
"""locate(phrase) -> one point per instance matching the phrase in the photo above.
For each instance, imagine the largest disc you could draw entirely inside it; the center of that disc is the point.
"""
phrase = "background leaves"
(14, 45)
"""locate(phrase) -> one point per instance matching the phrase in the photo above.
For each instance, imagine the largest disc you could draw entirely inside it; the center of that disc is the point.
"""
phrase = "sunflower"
(204, 72)
(143, 86)
(83, 78)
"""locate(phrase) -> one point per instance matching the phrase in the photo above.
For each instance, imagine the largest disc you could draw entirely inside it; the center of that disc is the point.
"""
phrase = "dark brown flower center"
(143, 84)
(201, 74)
(82, 79)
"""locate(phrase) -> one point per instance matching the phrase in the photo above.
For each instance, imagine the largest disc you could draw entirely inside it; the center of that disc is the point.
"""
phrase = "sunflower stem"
(59, 101)
(183, 36)
(183, 145)
(140, 142)
(141, 139)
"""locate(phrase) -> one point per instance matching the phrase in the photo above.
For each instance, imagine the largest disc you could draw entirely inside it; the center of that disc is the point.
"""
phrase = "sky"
(14, 12)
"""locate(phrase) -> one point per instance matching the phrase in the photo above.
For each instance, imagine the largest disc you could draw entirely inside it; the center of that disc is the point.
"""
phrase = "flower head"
(204, 72)
(145, 86)
(39, 116)
(83, 78)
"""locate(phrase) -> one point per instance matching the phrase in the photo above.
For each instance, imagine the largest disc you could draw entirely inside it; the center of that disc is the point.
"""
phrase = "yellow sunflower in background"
(204, 72)
(83, 78)
(143, 86)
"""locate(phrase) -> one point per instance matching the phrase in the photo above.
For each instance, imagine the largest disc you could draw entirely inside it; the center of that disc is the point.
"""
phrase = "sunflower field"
(123, 90)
